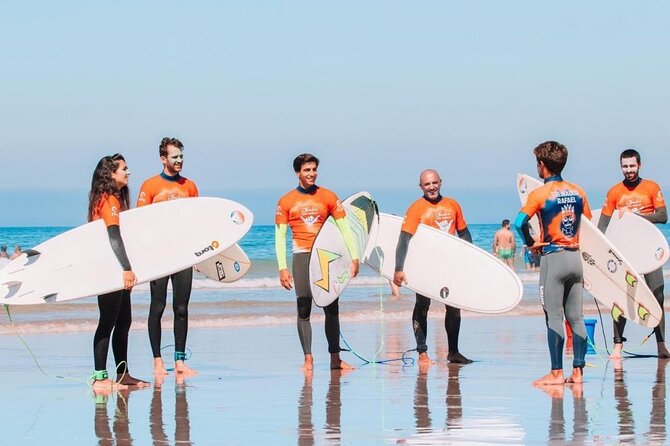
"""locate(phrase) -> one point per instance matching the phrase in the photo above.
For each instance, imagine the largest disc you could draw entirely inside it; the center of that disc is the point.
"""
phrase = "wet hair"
(553, 155)
(629, 153)
(165, 142)
(505, 222)
(102, 183)
(304, 158)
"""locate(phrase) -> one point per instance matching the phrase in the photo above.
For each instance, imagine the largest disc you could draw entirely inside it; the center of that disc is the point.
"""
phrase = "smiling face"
(630, 168)
(307, 175)
(430, 183)
(121, 174)
(173, 161)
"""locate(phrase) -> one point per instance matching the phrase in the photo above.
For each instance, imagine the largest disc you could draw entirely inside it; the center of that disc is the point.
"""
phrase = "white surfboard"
(329, 261)
(608, 275)
(160, 239)
(639, 240)
(227, 267)
(446, 268)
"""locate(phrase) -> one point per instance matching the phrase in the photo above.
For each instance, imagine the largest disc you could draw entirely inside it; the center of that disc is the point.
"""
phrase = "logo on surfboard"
(237, 217)
(325, 259)
(212, 246)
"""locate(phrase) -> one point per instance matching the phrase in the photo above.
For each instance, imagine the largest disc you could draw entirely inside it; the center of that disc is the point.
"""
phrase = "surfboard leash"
(188, 353)
(34, 357)
(630, 354)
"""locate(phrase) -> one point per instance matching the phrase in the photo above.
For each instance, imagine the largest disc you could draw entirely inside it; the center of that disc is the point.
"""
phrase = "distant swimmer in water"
(560, 207)
(169, 185)
(445, 214)
(644, 198)
(504, 246)
(305, 209)
(17, 252)
(109, 196)
(3, 252)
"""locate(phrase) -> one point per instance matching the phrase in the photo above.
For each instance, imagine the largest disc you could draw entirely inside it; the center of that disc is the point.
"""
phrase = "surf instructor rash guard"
(163, 187)
(643, 197)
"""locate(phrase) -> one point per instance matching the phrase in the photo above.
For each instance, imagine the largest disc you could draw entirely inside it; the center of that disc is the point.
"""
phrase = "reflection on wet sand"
(182, 426)
(333, 426)
(580, 420)
(657, 428)
(119, 434)
(624, 408)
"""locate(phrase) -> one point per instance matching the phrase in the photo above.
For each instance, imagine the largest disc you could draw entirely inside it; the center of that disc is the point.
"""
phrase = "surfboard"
(227, 267)
(639, 240)
(445, 268)
(160, 239)
(329, 260)
(608, 275)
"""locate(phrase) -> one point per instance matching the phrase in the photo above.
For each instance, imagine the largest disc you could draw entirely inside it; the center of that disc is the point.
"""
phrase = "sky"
(378, 90)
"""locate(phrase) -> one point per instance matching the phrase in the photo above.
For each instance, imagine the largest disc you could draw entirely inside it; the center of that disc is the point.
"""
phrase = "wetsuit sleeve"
(660, 215)
(280, 245)
(610, 204)
(523, 228)
(401, 250)
(464, 234)
(587, 208)
(604, 222)
(145, 196)
(349, 238)
(115, 240)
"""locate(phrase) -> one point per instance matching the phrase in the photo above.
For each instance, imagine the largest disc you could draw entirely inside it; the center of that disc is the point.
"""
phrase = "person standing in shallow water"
(169, 185)
(644, 198)
(559, 206)
(445, 214)
(305, 209)
(108, 197)
(504, 246)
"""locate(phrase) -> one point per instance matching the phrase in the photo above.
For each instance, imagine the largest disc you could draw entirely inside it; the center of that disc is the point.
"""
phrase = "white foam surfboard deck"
(329, 261)
(229, 266)
(608, 275)
(160, 239)
(639, 240)
(446, 268)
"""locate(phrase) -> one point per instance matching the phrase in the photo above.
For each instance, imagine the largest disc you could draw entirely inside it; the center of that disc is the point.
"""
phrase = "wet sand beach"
(250, 391)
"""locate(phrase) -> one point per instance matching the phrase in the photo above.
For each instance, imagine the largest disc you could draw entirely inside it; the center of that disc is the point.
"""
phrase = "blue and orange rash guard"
(163, 187)
(642, 198)
(559, 206)
(445, 215)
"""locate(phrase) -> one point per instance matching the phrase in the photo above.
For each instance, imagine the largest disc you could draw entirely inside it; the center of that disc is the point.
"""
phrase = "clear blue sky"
(377, 89)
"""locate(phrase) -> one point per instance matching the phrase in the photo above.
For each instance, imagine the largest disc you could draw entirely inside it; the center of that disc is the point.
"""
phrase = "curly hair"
(102, 184)
(165, 142)
(554, 155)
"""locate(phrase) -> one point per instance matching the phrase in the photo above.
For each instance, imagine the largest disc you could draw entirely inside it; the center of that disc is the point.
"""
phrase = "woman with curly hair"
(108, 197)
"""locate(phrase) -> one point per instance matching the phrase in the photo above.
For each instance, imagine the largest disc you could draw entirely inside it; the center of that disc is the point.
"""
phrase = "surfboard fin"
(642, 312)
(50, 298)
(12, 288)
(616, 313)
(32, 256)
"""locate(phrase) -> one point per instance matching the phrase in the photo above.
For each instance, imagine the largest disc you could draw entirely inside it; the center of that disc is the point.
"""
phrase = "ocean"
(256, 299)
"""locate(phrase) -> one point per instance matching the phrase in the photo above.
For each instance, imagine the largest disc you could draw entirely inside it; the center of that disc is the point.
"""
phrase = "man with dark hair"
(305, 209)
(445, 214)
(643, 197)
(504, 245)
(169, 185)
(559, 206)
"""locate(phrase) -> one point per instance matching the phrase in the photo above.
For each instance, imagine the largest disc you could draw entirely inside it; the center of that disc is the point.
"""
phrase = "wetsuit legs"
(181, 294)
(115, 315)
(656, 284)
(420, 322)
(304, 326)
(452, 325)
(158, 297)
(332, 313)
(560, 292)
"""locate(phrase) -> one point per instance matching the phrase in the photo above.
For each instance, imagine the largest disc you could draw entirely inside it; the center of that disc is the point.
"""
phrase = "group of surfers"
(559, 205)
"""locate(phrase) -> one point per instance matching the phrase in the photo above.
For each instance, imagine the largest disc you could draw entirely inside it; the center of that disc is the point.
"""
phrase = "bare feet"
(424, 360)
(577, 376)
(128, 380)
(616, 353)
(308, 366)
(457, 358)
(553, 378)
(337, 364)
(158, 381)
(181, 368)
(159, 367)
(552, 391)
(662, 351)
(105, 386)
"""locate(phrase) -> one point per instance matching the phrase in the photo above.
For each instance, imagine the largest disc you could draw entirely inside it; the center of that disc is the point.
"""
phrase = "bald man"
(445, 214)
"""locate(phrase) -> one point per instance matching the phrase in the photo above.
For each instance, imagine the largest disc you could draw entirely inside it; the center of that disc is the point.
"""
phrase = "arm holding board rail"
(350, 242)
